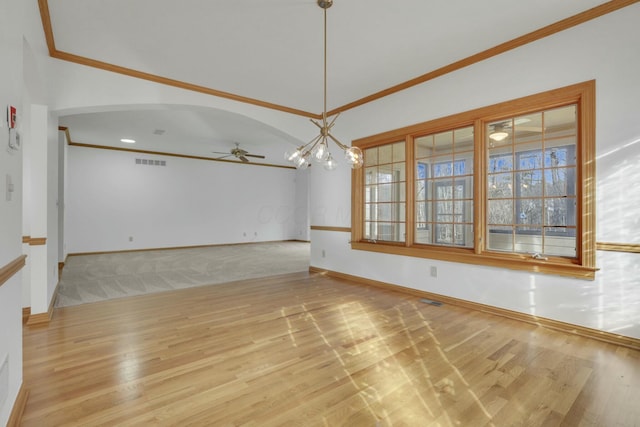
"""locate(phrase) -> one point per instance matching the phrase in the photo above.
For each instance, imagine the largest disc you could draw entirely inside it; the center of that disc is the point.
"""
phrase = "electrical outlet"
(131, 238)
(324, 254)
(434, 271)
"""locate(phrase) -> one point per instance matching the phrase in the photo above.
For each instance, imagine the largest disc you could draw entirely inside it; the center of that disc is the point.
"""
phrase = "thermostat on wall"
(14, 139)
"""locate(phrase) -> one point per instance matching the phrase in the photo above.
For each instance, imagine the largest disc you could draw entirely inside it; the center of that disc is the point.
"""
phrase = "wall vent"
(151, 162)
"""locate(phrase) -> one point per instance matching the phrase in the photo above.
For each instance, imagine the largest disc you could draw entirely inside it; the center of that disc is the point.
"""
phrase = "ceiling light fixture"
(128, 141)
(498, 133)
(318, 148)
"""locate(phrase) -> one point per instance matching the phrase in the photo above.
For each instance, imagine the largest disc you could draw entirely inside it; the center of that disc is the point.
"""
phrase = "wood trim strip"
(46, 26)
(531, 37)
(621, 340)
(633, 248)
(184, 156)
(37, 241)
(38, 319)
(26, 239)
(541, 33)
(15, 418)
(9, 270)
(26, 312)
(66, 133)
(326, 228)
(44, 318)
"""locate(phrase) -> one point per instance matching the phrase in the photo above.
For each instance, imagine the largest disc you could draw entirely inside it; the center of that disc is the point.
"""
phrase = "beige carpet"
(92, 278)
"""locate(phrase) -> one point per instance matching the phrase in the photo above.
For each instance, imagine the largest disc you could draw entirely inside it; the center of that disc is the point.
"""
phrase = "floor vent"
(431, 302)
(151, 162)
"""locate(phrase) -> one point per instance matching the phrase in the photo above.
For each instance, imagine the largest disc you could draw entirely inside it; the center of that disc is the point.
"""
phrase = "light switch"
(9, 188)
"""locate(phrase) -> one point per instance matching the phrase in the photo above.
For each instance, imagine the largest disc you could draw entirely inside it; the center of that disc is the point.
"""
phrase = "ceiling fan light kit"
(318, 148)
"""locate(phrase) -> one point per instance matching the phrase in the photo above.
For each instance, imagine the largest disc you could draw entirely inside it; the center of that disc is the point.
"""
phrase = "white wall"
(188, 202)
(605, 49)
(10, 210)
(53, 185)
(302, 223)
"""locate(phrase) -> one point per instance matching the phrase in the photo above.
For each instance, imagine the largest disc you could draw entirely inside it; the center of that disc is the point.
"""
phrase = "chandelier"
(318, 148)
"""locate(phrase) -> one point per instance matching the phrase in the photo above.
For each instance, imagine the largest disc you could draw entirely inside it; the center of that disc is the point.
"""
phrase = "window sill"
(556, 266)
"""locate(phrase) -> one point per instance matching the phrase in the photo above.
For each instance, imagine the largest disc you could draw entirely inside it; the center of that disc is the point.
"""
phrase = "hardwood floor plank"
(304, 349)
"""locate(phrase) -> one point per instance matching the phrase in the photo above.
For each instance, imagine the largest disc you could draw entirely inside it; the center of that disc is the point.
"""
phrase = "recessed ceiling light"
(128, 141)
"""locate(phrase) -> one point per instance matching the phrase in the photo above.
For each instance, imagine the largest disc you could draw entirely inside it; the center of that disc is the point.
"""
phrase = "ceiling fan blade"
(258, 156)
(224, 157)
(529, 128)
(221, 152)
(244, 159)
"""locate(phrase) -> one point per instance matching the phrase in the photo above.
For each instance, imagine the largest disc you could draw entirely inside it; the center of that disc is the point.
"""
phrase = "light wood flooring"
(307, 350)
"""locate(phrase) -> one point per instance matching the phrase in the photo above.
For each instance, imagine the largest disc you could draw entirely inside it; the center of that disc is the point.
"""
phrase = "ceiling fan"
(238, 153)
(500, 130)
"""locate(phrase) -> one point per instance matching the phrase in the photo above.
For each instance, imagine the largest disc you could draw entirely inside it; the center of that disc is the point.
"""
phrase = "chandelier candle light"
(318, 148)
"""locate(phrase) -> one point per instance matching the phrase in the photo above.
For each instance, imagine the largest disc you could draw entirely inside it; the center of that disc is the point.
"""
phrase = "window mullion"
(410, 209)
(479, 186)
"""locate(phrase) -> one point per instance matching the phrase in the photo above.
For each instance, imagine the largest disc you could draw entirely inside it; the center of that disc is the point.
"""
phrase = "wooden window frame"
(583, 266)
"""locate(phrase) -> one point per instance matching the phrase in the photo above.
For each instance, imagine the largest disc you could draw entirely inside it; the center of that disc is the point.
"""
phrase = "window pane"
(371, 156)
(528, 240)
(560, 241)
(398, 152)
(424, 146)
(443, 141)
(559, 212)
(531, 158)
(371, 175)
(444, 233)
(463, 235)
(500, 211)
(463, 139)
(529, 183)
(462, 166)
(527, 128)
(560, 122)
(559, 156)
(442, 166)
(368, 194)
(389, 231)
(529, 211)
(385, 154)
(421, 191)
(559, 182)
(500, 161)
(500, 239)
(367, 230)
(399, 173)
(500, 185)
(384, 212)
(462, 210)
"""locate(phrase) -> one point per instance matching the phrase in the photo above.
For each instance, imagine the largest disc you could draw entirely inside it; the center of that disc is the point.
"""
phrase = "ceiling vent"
(151, 162)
